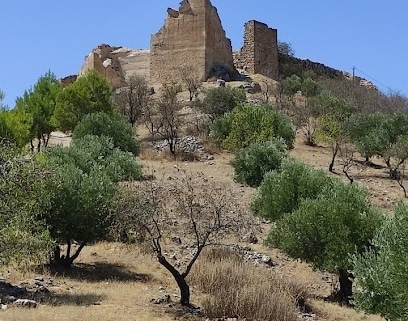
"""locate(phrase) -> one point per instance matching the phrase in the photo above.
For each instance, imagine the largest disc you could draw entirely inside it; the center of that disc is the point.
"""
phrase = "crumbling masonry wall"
(192, 36)
(259, 54)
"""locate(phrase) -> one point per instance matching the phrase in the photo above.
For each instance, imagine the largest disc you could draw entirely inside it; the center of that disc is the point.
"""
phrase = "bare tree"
(181, 215)
(163, 118)
(133, 98)
(347, 153)
(190, 77)
(269, 88)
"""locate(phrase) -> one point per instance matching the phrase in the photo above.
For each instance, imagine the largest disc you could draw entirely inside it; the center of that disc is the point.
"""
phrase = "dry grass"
(239, 289)
(109, 282)
(333, 312)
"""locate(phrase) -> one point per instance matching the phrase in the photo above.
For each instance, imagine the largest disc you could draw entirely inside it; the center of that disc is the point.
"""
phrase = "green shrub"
(251, 163)
(247, 124)
(282, 191)
(382, 273)
(110, 125)
(91, 153)
(221, 100)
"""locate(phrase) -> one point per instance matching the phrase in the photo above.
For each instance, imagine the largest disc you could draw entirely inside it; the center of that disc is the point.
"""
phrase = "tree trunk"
(65, 261)
(335, 151)
(180, 279)
(39, 144)
(346, 286)
(345, 171)
(184, 290)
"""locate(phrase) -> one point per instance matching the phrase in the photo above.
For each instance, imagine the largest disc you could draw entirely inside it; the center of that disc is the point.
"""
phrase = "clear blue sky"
(42, 35)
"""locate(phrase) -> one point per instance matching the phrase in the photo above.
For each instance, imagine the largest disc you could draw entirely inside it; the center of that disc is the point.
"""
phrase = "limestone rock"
(25, 303)
(117, 63)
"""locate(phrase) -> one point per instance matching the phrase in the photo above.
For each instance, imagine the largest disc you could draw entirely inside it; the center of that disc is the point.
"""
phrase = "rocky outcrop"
(192, 35)
(117, 63)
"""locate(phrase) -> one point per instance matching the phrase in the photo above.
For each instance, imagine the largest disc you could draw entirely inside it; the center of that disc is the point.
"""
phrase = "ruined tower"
(259, 54)
(193, 37)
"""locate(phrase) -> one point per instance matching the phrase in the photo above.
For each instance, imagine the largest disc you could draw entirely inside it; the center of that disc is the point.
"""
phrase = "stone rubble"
(189, 145)
(20, 295)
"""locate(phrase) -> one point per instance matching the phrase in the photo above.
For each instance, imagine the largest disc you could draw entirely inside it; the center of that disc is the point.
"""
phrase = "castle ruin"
(259, 54)
(192, 35)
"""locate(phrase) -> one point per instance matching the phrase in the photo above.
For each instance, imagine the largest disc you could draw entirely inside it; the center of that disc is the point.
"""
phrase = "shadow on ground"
(72, 299)
(100, 271)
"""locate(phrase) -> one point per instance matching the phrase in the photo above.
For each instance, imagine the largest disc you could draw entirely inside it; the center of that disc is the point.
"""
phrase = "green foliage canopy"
(221, 100)
(89, 94)
(381, 272)
(251, 163)
(113, 125)
(23, 199)
(38, 105)
(248, 124)
(325, 230)
(82, 189)
(282, 190)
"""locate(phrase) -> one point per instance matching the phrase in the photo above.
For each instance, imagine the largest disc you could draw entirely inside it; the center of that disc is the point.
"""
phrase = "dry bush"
(238, 289)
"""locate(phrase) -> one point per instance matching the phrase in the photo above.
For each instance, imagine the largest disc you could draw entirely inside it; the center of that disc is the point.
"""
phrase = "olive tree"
(252, 163)
(24, 237)
(247, 124)
(381, 271)
(185, 210)
(113, 125)
(326, 230)
(303, 109)
(331, 122)
(220, 100)
(282, 190)
(191, 79)
(83, 184)
(162, 117)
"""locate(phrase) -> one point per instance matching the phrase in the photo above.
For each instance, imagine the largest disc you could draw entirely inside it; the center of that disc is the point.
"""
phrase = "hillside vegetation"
(268, 204)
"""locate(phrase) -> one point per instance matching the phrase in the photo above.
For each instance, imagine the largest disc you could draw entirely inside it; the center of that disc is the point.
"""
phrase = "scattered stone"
(8, 299)
(3, 307)
(250, 238)
(176, 239)
(251, 256)
(25, 303)
(162, 300)
(220, 83)
(267, 260)
(189, 145)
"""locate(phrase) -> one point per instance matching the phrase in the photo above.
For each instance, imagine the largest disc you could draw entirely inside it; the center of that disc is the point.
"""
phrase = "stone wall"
(117, 63)
(106, 62)
(259, 54)
(192, 36)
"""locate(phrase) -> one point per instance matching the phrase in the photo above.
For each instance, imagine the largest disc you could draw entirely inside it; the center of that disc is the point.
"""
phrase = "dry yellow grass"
(239, 289)
(109, 282)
